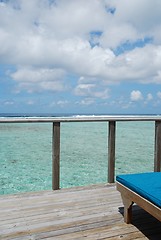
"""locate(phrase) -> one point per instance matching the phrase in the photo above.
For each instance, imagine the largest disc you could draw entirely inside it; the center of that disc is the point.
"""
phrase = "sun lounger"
(144, 189)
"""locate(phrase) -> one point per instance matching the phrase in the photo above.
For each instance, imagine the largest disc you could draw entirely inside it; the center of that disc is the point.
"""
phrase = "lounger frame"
(129, 197)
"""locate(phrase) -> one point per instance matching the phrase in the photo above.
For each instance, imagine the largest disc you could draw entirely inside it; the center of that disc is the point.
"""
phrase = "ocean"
(26, 153)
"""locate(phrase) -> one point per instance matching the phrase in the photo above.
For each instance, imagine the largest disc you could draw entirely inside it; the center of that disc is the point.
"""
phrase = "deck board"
(94, 212)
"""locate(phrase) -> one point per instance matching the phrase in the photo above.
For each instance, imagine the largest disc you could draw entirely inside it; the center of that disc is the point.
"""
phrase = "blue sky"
(80, 56)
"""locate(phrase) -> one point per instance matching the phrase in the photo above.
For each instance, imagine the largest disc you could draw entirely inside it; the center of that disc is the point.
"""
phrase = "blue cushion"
(148, 185)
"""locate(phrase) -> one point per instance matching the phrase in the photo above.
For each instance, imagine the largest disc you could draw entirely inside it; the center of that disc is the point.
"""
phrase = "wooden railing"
(111, 139)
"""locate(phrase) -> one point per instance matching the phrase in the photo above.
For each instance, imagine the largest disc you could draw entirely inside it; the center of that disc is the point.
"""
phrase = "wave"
(48, 115)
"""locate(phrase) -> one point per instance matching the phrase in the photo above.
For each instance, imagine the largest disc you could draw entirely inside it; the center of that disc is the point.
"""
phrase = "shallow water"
(26, 153)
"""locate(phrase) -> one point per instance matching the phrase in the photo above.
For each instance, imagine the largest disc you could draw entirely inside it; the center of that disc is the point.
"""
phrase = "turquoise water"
(26, 153)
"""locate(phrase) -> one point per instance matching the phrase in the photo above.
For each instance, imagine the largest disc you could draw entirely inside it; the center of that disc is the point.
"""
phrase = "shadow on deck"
(94, 212)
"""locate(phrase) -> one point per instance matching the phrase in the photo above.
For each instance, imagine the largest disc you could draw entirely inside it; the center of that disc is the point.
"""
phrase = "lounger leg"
(127, 209)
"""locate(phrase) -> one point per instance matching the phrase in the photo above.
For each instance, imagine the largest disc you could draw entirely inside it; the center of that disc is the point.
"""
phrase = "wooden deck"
(78, 213)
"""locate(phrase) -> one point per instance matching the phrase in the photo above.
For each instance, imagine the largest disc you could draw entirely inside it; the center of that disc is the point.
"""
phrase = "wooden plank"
(111, 151)
(72, 214)
(157, 151)
(78, 119)
(56, 156)
(129, 196)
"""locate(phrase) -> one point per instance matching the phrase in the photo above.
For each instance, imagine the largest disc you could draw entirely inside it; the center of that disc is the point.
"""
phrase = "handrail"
(78, 119)
(111, 138)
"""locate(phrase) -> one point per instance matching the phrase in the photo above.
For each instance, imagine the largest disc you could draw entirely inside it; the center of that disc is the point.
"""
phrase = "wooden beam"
(56, 156)
(111, 151)
(130, 197)
(157, 151)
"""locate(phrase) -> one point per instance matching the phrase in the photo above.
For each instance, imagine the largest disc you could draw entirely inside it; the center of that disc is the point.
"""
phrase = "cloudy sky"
(80, 56)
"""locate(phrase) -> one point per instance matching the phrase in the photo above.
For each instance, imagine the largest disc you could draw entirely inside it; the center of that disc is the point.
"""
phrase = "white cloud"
(84, 89)
(118, 34)
(35, 79)
(102, 94)
(142, 15)
(136, 95)
(46, 42)
(62, 103)
(9, 102)
(149, 97)
(87, 101)
(91, 90)
(87, 87)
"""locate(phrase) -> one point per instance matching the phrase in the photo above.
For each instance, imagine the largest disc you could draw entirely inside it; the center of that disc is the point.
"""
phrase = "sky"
(80, 56)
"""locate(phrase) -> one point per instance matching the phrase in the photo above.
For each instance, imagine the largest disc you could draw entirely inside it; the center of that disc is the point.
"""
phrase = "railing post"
(111, 151)
(56, 156)
(157, 151)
